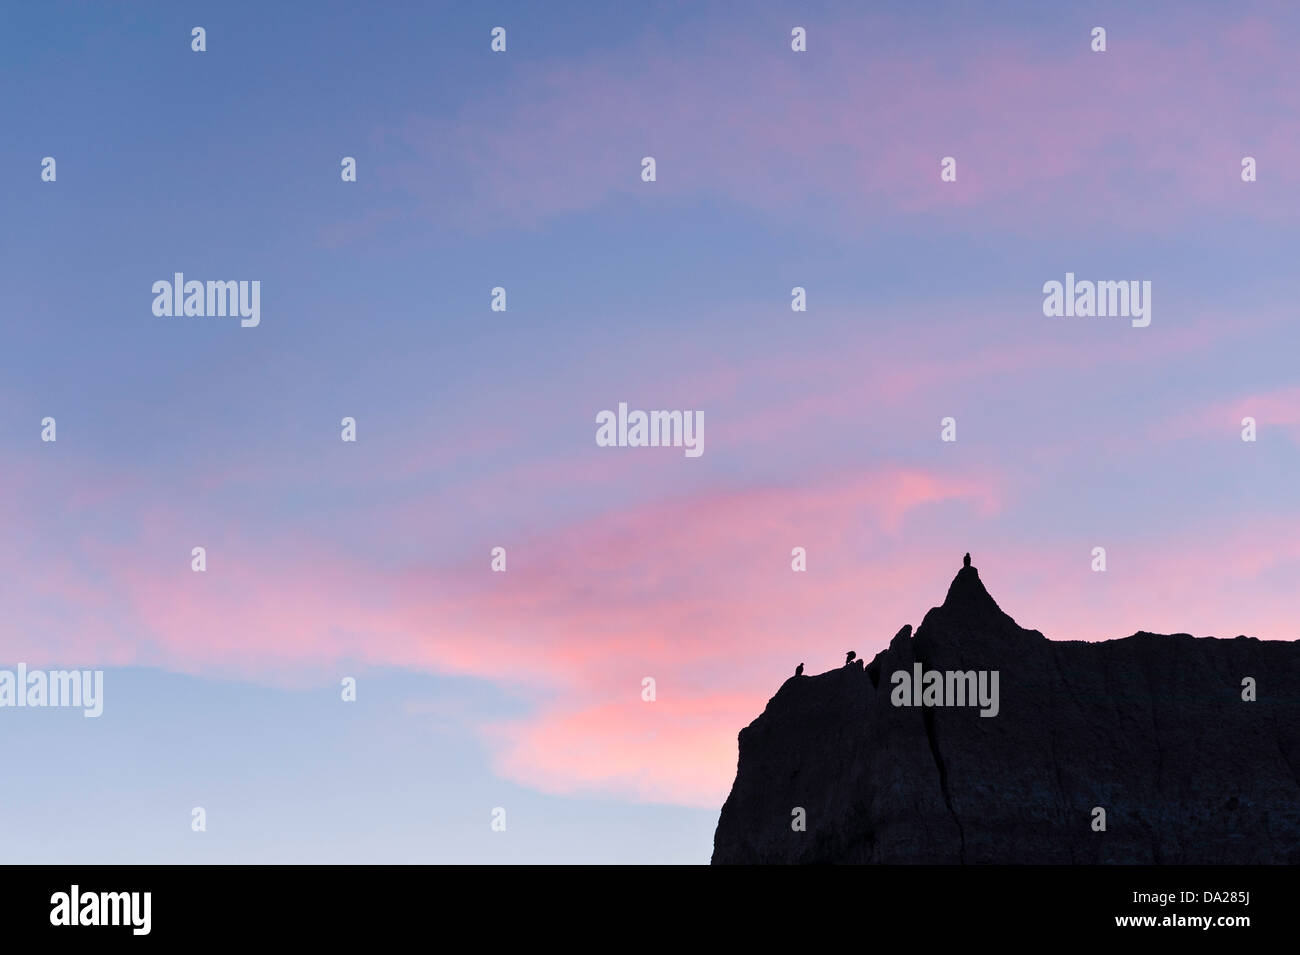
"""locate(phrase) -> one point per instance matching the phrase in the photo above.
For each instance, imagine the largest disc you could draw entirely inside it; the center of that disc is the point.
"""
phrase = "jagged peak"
(968, 597)
(896, 782)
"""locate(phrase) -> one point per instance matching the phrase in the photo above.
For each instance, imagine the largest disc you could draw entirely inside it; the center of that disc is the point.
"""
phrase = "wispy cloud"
(1145, 135)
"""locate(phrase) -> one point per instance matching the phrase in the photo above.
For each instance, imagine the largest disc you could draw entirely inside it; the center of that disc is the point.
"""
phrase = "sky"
(521, 690)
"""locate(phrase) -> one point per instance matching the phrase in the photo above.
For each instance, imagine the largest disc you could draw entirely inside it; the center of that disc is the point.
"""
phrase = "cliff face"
(1151, 728)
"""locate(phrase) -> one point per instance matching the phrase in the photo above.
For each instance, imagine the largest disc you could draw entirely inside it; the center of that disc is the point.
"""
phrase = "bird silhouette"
(965, 561)
(798, 671)
(853, 654)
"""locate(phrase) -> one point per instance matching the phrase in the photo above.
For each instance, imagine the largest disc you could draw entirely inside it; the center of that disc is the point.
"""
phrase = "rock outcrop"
(1153, 729)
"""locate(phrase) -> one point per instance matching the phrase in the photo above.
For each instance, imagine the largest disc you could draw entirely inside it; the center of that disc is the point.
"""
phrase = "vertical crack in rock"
(927, 717)
(1151, 727)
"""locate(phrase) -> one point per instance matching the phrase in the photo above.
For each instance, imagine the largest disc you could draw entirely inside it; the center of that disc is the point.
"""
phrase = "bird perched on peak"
(798, 671)
(853, 655)
(965, 561)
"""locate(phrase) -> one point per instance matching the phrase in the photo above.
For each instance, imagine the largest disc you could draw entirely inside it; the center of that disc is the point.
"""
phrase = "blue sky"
(521, 169)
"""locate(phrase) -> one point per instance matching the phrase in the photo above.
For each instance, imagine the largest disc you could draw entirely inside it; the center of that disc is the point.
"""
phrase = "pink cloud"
(1146, 134)
(676, 749)
(1277, 409)
(696, 592)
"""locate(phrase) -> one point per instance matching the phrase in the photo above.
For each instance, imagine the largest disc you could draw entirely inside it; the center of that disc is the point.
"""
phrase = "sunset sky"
(476, 428)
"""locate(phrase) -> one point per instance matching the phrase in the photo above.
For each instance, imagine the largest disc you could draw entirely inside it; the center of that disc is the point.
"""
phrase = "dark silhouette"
(798, 671)
(853, 655)
(1158, 731)
(965, 561)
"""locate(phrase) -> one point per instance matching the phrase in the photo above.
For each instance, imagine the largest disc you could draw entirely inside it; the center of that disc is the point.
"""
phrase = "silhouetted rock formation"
(1151, 728)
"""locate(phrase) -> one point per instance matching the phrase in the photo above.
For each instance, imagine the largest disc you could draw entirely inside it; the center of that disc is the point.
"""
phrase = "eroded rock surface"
(1152, 728)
